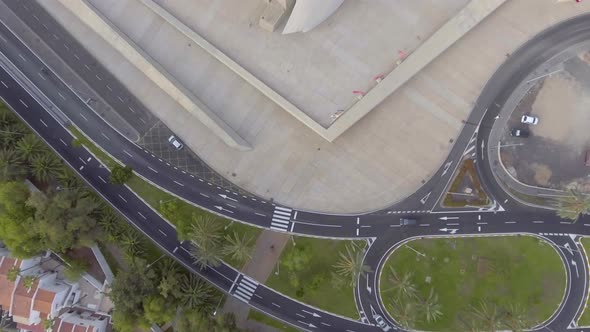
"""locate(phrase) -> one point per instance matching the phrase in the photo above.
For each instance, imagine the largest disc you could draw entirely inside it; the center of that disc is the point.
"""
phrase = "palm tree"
(205, 231)
(488, 316)
(13, 273)
(10, 165)
(516, 318)
(402, 286)
(44, 167)
(132, 243)
(237, 247)
(195, 293)
(404, 313)
(206, 255)
(7, 118)
(109, 221)
(573, 205)
(29, 146)
(430, 307)
(351, 264)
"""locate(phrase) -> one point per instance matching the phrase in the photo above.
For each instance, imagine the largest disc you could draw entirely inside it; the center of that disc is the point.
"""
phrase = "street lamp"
(278, 268)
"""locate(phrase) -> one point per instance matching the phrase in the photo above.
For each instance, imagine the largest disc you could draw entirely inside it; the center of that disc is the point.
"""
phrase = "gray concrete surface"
(383, 158)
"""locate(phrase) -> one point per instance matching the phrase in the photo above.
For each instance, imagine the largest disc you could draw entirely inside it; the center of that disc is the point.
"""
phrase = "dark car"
(517, 132)
(407, 222)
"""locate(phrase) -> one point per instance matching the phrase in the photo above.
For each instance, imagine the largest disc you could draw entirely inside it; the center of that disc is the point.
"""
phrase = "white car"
(381, 323)
(176, 143)
(529, 119)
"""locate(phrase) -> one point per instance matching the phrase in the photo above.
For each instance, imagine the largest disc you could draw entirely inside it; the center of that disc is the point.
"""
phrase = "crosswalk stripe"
(247, 295)
(252, 281)
(278, 229)
(280, 221)
(288, 214)
(283, 209)
(248, 287)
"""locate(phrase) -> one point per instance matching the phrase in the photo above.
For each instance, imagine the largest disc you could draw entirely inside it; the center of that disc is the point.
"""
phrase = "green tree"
(28, 282)
(196, 294)
(170, 278)
(121, 174)
(11, 166)
(196, 321)
(75, 269)
(132, 243)
(157, 310)
(573, 205)
(351, 264)
(28, 147)
(45, 167)
(402, 286)
(516, 318)
(13, 273)
(404, 312)
(129, 290)
(206, 235)
(488, 316)
(238, 248)
(17, 224)
(430, 306)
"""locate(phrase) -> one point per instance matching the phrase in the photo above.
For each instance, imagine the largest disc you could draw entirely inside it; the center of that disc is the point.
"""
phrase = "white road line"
(482, 223)
(326, 324)
(510, 222)
(394, 225)
(62, 96)
(204, 195)
(87, 67)
(357, 232)
(564, 222)
(424, 225)
(45, 124)
(108, 87)
(260, 214)
(67, 47)
(131, 109)
(121, 99)
(62, 141)
(127, 153)
(276, 305)
(22, 57)
(22, 102)
(586, 224)
(121, 197)
(6, 86)
(82, 115)
(153, 170)
(174, 251)
(35, 16)
(55, 36)
(42, 77)
(178, 183)
(295, 216)
(192, 176)
(98, 77)
(76, 56)
(82, 160)
(453, 224)
(161, 231)
(538, 222)
(101, 179)
(292, 226)
(105, 136)
(25, 7)
(45, 26)
(231, 206)
(300, 315)
(141, 215)
(142, 120)
(188, 252)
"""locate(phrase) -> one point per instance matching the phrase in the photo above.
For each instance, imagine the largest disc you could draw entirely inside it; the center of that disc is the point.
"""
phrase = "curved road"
(382, 227)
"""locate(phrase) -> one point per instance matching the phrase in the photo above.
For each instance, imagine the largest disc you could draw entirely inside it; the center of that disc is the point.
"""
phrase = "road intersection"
(47, 105)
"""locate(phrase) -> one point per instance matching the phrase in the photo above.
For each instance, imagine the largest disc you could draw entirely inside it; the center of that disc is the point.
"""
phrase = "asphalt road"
(507, 217)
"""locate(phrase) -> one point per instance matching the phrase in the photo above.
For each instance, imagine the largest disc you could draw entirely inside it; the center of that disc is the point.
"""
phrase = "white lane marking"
(6, 86)
(482, 223)
(62, 141)
(45, 26)
(565, 222)
(35, 16)
(174, 251)
(510, 222)
(55, 36)
(22, 57)
(276, 305)
(453, 224)
(42, 77)
(357, 232)
(131, 109)
(105, 136)
(121, 197)
(586, 224)
(153, 170)
(178, 183)
(395, 225)
(82, 115)
(326, 324)
(260, 214)
(81, 167)
(295, 216)
(22, 102)
(300, 315)
(98, 77)
(424, 225)
(121, 99)
(161, 231)
(204, 195)
(538, 222)
(127, 153)
(62, 96)
(43, 122)
(142, 120)
(192, 176)
(76, 56)
(141, 215)
(25, 7)
(87, 67)
(82, 160)
(108, 87)
(188, 252)
(101, 179)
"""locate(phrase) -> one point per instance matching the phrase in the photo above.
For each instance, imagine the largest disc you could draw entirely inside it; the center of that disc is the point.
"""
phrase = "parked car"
(517, 132)
(176, 143)
(529, 119)
(407, 222)
(381, 323)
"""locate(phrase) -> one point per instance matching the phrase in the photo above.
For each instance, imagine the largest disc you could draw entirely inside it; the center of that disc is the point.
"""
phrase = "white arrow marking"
(311, 313)
(576, 266)
(447, 165)
(568, 248)
(369, 289)
(482, 146)
(425, 198)
(227, 197)
(308, 324)
(448, 218)
(450, 230)
(222, 209)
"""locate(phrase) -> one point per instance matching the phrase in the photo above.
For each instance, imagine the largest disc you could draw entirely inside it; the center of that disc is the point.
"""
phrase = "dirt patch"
(483, 266)
(562, 106)
(542, 174)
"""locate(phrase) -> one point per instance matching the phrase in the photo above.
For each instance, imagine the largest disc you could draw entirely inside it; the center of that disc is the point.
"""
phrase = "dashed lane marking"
(141, 215)
(153, 170)
(105, 136)
(204, 195)
(62, 96)
(83, 117)
(43, 122)
(63, 142)
(178, 183)
(6, 86)
(161, 231)
(22, 102)
(123, 198)
(101, 179)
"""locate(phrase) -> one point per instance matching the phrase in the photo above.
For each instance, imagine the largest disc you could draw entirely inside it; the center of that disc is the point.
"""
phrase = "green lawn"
(159, 199)
(305, 274)
(585, 318)
(267, 320)
(501, 272)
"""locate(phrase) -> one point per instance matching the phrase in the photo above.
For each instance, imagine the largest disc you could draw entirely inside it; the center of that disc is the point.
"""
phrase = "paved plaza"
(380, 160)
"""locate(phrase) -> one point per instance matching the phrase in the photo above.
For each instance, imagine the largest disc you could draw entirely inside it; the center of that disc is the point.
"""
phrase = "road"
(46, 104)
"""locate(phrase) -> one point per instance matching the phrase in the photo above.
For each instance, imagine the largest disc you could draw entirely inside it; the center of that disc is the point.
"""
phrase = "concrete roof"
(307, 14)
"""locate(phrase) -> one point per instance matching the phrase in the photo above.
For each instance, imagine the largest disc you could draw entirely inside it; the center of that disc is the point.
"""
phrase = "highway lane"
(153, 226)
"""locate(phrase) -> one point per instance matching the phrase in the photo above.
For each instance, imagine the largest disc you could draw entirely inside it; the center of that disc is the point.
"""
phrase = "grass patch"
(466, 177)
(306, 274)
(585, 317)
(163, 202)
(499, 271)
(267, 320)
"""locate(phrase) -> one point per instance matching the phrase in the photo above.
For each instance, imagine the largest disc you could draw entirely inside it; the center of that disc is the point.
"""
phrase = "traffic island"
(466, 190)
(457, 284)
